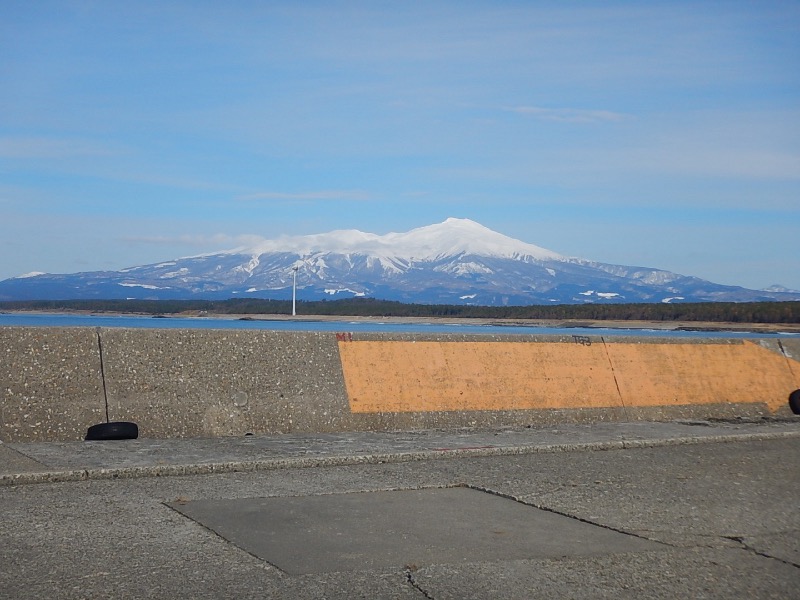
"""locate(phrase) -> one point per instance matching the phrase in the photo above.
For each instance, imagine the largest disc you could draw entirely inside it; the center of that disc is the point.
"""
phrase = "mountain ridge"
(431, 242)
(458, 261)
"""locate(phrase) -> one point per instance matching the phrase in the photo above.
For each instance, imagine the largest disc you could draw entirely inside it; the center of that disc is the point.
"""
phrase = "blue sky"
(659, 134)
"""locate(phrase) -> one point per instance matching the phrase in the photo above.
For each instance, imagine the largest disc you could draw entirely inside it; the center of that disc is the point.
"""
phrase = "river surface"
(299, 324)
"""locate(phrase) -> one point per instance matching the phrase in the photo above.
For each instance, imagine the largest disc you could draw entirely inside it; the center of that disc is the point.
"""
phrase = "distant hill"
(458, 262)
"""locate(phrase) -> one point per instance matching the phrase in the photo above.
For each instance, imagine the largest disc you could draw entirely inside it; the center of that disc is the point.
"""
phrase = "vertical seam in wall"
(102, 372)
(789, 362)
(614, 375)
(345, 387)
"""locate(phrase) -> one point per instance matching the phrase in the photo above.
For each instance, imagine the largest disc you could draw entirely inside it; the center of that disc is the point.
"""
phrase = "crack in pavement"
(745, 546)
(409, 570)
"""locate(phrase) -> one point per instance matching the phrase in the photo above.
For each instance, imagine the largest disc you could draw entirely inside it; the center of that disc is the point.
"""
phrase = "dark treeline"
(732, 312)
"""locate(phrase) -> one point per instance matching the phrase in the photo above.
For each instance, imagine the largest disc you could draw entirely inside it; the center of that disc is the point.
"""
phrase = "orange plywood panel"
(421, 376)
(417, 376)
(681, 374)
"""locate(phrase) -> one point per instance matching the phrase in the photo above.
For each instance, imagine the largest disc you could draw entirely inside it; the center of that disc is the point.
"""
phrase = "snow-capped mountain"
(455, 262)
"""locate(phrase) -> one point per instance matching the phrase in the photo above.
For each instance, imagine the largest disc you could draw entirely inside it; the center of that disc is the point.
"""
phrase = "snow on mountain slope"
(433, 242)
(458, 261)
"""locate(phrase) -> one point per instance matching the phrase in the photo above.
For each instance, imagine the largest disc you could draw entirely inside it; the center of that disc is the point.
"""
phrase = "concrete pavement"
(658, 510)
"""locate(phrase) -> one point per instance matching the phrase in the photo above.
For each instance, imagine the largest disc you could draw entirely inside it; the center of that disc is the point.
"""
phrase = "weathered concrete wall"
(50, 383)
(189, 382)
(196, 383)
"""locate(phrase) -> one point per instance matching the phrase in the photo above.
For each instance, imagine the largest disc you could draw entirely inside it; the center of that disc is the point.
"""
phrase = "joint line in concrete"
(228, 542)
(614, 375)
(561, 513)
(102, 371)
(789, 361)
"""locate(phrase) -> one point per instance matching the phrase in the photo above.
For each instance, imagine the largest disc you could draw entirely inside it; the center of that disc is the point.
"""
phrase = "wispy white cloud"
(721, 162)
(101, 160)
(32, 147)
(216, 240)
(729, 145)
(569, 115)
(308, 196)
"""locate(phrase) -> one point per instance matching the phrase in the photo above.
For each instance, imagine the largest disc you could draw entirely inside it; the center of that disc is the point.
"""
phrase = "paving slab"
(399, 528)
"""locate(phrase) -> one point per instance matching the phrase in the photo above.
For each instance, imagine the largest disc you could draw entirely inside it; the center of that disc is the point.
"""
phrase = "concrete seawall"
(198, 383)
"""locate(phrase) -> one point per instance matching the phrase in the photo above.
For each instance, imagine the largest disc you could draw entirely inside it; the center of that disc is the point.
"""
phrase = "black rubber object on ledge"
(794, 402)
(116, 430)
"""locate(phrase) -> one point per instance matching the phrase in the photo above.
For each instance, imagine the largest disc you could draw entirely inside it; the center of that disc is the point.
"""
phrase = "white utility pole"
(294, 290)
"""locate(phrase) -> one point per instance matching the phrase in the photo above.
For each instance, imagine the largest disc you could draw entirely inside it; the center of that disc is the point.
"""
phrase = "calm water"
(66, 320)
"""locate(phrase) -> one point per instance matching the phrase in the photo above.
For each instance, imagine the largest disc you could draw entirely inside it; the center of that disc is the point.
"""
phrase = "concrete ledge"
(371, 455)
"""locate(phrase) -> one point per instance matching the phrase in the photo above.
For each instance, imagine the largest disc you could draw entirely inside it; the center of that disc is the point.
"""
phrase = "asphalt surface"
(654, 510)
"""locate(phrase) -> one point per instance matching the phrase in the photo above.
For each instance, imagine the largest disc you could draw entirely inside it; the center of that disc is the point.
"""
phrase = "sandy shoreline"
(549, 323)
(546, 323)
